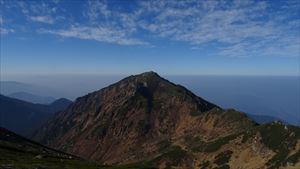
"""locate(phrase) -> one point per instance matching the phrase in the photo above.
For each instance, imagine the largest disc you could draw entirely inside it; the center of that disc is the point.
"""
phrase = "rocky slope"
(149, 121)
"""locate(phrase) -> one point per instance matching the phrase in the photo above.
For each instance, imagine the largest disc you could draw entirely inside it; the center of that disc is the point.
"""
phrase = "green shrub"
(280, 138)
(143, 126)
(175, 154)
(222, 167)
(223, 157)
(164, 144)
(215, 145)
(293, 158)
(204, 164)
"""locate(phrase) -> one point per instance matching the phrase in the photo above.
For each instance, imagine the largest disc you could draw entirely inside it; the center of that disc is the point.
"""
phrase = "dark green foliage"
(156, 104)
(214, 145)
(248, 134)
(278, 158)
(278, 137)
(223, 157)
(18, 160)
(164, 144)
(175, 154)
(296, 131)
(274, 136)
(233, 115)
(141, 165)
(193, 141)
(204, 165)
(195, 112)
(143, 126)
(130, 125)
(28, 161)
(175, 91)
(293, 158)
(222, 167)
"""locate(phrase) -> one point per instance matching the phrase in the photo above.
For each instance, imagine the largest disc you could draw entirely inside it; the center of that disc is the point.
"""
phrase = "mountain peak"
(148, 76)
(143, 108)
(149, 73)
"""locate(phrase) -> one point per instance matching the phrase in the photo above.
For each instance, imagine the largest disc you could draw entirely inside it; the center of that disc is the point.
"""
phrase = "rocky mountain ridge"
(148, 120)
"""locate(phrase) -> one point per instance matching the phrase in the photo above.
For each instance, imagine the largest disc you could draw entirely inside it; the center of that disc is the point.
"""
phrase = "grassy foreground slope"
(17, 152)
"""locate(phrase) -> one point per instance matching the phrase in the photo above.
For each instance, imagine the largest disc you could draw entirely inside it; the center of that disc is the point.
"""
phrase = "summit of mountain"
(151, 121)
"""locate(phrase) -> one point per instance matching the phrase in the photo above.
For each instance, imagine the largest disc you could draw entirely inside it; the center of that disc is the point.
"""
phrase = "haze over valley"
(274, 96)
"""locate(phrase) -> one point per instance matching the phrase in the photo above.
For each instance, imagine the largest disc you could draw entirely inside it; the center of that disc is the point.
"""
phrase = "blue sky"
(192, 37)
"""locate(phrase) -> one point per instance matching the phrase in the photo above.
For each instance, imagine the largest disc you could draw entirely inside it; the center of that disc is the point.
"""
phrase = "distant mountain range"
(151, 122)
(32, 98)
(9, 87)
(27, 92)
(23, 117)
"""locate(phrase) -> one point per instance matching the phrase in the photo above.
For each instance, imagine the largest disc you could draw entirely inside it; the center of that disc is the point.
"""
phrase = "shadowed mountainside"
(24, 117)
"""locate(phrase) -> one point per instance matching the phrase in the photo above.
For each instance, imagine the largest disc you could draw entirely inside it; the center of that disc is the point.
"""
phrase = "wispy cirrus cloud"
(237, 28)
(103, 25)
(96, 9)
(242, 28)
(4, 31)
(32, 11)
(42, 19)
(101, 34)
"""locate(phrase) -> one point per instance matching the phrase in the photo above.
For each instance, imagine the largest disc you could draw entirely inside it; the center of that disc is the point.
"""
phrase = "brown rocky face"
(140, 118)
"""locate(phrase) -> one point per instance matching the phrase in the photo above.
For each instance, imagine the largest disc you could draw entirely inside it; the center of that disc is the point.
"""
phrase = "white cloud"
(42, 19)
(195, 22)
(101, 34)
(240, 28)
(4, 31)
(42, 12)
(244, 28)
(205, 22)
(97, 9)
(102, 25)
